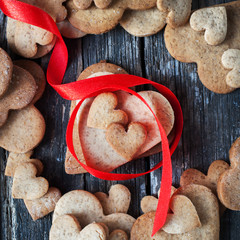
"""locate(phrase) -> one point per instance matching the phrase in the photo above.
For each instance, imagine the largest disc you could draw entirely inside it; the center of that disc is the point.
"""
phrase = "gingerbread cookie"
(228, 184)
(231, 61)
(193, 176)
(68, 227)
(206, 205)
(143, 23)
(25, 183)
(31, 41)
(102, 112)
(213, 21)
(42, 206)
(37, 72)
(101, 155)
(6, 69)
(87, 209)
(16, 159)
(94, 20)
(149, 203)
(126, 144)
(19, 93)
(118, 200)
(23, 131)
(71, 165)
(188, 45)
(180, 206)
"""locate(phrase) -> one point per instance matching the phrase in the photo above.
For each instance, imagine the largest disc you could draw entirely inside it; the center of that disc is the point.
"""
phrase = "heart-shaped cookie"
(193, 176)
(25, 183)
(118, 200)
(19, 94)
(180, 206)
(228, 186)
(149, 203)
(231, 60)
(68, 227)
(16, 159)
(206, 205)
(6, 68)
(126, 144)
(213, 21)
(102, 112)
(40, 207)
(97, 151)
(87, 209)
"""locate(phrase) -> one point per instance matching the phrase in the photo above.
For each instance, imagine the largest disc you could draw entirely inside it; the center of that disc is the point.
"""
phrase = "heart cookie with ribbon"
(206, 205)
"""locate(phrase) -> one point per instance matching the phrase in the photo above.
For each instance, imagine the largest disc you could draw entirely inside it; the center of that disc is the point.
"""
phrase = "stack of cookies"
(115, 128)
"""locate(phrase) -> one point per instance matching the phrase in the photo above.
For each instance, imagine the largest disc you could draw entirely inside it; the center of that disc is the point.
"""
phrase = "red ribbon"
(92, 87)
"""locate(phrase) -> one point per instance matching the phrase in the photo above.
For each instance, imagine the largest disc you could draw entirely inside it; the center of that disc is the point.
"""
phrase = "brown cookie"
(149, 203)
(27, 38)
(193, 176)
(38, 208)
(142, 23)
(24, 38)
(94, 20)
(178, 11)
(231, 61)
(228, 186)
(10, 34)
(126, 144)
(68, 227)
(103, 113)
(19, 93)
(16, 159)
(118, 200)
(187, 45)
(6, 70)
(37, 72)
(213, 21)
(23, 131)
(71, 165)
(25, 183)
(87, 209)
(206, 205)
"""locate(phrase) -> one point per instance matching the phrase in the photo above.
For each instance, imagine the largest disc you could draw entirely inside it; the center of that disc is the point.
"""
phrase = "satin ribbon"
(92, 87)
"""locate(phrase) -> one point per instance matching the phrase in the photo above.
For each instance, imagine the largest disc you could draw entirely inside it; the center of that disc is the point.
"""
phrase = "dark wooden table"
(211, 124)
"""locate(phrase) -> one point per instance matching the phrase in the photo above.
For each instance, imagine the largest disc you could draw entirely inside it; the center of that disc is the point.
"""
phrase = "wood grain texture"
(211, 124)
